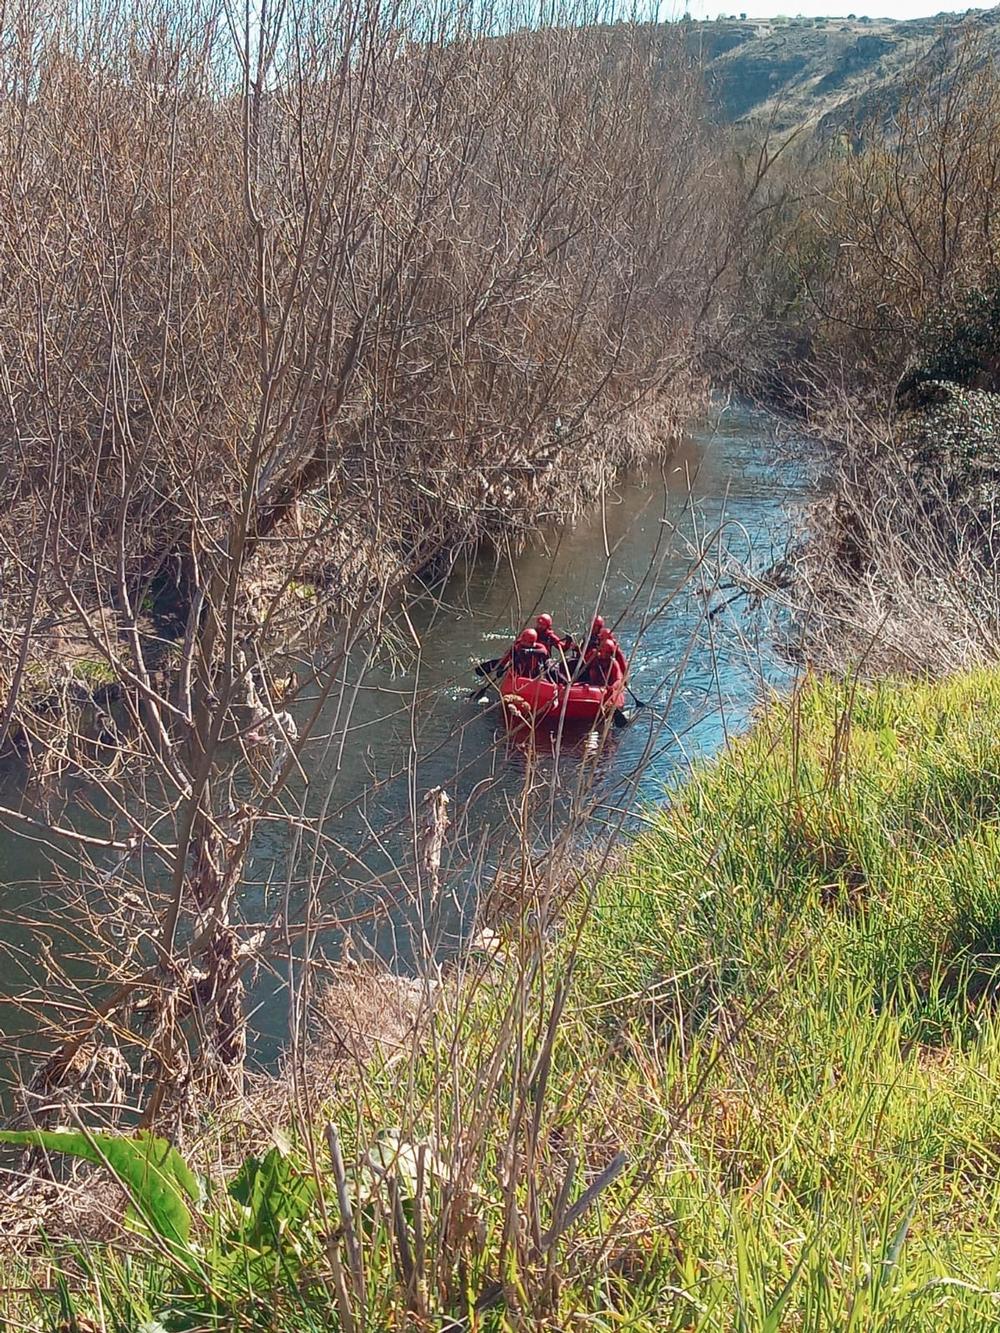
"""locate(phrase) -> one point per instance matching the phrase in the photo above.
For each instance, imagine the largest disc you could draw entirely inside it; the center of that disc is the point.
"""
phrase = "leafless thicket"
(910, 220)
(884, 224)
(856, 266)
(295, 304)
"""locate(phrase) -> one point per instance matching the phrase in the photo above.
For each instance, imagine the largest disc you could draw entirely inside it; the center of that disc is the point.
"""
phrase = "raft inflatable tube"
(533, 699)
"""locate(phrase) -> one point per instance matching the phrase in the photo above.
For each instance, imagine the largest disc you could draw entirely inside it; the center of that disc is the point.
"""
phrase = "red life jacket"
(604, 672)
(530, 661)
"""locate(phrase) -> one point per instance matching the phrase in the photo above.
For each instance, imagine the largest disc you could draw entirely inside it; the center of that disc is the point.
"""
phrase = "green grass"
(830, 895)
(94, 671)
(782, 1008)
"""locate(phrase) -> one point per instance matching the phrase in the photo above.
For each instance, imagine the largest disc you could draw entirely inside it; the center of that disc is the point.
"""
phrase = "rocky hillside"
(825, 72)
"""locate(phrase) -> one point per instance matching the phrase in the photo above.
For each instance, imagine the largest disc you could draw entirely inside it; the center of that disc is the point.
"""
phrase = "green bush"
(960, 344)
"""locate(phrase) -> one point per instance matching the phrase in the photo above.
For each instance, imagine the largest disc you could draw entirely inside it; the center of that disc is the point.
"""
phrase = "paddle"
(639, 703)
(620, 717)
(482, 693)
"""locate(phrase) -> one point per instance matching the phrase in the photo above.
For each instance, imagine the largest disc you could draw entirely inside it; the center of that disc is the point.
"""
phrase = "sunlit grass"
(781, 1008)
(820, 911)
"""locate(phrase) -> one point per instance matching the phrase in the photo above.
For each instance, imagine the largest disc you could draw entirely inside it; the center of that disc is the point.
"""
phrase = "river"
(650, 556)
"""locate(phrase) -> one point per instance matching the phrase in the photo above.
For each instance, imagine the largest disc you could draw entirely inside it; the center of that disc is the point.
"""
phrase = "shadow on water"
(650, 557)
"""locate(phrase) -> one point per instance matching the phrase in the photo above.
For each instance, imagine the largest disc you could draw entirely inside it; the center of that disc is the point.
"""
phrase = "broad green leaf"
(274, 1194)
(154, 1172)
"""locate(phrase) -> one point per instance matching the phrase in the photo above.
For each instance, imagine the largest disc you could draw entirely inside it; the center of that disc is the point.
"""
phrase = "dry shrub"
(293, 310)
(405, 267)
(363, 1011)
(895, 577)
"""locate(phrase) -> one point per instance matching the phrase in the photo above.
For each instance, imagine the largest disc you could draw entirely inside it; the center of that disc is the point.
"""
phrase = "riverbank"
(896, 570)
(760, 1054)
(325, 566)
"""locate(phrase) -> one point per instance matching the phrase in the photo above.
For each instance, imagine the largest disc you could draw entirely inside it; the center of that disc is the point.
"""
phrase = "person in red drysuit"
(604, 670)
(619, 655)
(546, 634)
(541, 637)
(563, 652)
(588, 658)
(529, 656)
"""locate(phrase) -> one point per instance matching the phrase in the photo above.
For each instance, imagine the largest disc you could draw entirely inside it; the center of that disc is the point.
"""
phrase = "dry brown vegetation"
(331, 282)
(869, 288)
(907, 224)
(297, 303)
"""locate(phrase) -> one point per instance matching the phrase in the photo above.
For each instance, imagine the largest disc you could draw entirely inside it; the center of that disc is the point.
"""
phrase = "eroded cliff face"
(827, 72)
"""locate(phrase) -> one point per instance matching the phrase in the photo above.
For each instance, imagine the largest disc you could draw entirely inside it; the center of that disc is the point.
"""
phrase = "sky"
(896, 9)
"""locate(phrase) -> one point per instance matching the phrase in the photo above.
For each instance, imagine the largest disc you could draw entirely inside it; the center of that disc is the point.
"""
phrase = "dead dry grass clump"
(364, 1011)
(86, 1205)
(896, 576)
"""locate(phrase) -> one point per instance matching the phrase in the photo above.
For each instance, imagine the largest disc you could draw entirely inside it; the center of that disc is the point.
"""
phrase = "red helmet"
(544, 622)
(608, 647)
(598, 624)
(607, 633)
(528, 638)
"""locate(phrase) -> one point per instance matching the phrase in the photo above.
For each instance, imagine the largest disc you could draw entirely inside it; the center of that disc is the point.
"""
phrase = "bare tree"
(300, 304)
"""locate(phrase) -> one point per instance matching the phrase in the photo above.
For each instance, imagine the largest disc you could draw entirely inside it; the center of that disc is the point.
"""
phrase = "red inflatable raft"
(533, 699)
